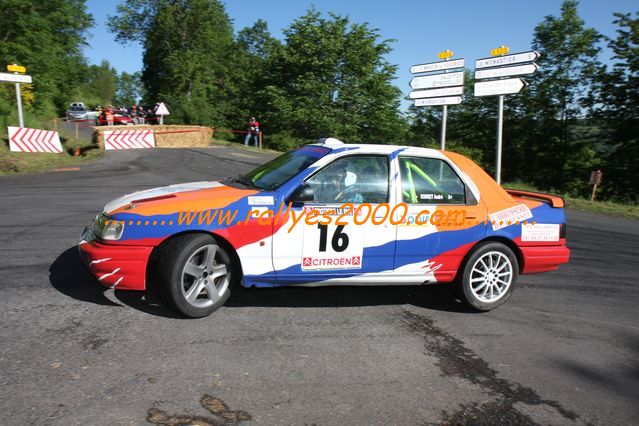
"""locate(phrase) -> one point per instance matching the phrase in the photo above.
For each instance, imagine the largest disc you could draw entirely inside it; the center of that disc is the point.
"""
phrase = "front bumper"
(115, 266)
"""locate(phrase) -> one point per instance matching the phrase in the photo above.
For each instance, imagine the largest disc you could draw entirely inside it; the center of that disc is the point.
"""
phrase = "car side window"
(352, 179)
(430, 181)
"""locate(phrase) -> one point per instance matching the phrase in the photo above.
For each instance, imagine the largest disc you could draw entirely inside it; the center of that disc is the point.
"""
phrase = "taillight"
(562, 231)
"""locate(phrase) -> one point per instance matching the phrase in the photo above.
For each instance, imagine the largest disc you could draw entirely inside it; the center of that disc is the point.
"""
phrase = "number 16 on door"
(332, 247)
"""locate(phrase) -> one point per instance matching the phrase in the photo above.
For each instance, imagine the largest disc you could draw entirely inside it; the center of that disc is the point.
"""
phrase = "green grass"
(29, 162)
(603, 207)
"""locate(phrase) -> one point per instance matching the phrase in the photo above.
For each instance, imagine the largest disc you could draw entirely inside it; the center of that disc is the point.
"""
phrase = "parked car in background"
(119, 119)
(92, 115)
(77, 113)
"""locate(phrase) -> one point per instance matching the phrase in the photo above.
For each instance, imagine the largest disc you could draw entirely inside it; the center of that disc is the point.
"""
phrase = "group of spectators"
(138, 114)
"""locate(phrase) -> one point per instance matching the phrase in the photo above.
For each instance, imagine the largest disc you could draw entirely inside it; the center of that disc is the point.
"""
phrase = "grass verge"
(29, 162)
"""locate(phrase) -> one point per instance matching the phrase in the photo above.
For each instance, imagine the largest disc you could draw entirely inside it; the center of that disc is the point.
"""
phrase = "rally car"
(329, 214)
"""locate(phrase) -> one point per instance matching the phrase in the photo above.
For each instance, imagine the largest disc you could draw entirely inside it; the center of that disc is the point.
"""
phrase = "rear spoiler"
(553, 200)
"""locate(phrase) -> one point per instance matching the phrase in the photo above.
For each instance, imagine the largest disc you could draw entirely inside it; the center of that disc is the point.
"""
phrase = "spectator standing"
(253, 130)
(108, 114)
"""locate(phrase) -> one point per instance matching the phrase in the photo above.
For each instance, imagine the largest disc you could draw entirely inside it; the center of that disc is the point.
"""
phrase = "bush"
(283, 141)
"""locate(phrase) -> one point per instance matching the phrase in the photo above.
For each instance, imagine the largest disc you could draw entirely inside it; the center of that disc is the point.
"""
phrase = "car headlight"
(108, 229)
(112, 230)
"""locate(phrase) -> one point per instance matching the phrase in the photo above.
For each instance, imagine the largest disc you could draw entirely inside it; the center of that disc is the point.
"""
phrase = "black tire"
(177, 283)
(470, 286)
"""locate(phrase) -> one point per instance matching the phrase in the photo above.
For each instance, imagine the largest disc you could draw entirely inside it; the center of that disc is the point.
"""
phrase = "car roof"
(337, 145)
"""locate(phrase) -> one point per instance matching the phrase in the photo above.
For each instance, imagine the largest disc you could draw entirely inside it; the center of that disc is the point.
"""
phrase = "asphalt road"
(563, 350)
(85, 128)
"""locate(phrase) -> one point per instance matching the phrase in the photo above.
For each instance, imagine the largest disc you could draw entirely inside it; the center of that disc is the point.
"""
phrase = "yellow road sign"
(501, 50)
(16, 68)
(445, 54)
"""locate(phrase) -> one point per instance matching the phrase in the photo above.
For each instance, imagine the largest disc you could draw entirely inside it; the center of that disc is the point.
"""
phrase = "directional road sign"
(437, 66)
(15, 78)
(516, 58)
(506, 71)
(434, 93)
(499, 87)
(438, 80)
(449, 100)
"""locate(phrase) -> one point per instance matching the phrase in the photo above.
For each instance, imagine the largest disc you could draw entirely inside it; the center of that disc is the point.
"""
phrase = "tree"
(47, 38)
(97, 84)
(255, 47)
(257, 40)
(331, 79)
(617, 107)
(129, 89)
(549, 142)
(470, 126)
(188, 56)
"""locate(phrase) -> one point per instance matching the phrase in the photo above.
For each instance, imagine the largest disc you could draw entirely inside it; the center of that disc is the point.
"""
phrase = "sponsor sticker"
(509, 216)
(339, 262)
(331, 211)
(261, 200)
(540, 232)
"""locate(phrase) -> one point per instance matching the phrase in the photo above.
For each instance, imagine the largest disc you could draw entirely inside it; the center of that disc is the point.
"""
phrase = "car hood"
(182, 196)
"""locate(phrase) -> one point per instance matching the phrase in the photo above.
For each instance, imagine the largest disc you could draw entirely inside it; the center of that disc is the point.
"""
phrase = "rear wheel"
(194, 275)
(489, 276)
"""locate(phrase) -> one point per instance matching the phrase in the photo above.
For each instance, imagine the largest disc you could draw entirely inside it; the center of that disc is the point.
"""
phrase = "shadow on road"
(69, 276)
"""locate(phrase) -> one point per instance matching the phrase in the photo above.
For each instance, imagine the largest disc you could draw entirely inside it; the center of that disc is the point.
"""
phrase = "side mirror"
(301, 195)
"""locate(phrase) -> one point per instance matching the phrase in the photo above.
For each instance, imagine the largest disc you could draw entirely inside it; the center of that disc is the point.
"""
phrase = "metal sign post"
(447, 54)
(19, 101)
(502, 65)
(17, 78)
(500, 133)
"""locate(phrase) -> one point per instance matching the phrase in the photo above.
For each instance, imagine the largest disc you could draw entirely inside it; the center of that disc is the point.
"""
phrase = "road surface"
(85, 128)
(563, 350)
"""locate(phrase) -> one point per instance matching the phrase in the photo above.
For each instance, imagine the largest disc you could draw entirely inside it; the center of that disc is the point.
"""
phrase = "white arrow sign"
(434, 93)
(438, 80)
(437, 66)
(450, 100)
(15, 78)
(506, 71)
(517, 58)
(499, 87)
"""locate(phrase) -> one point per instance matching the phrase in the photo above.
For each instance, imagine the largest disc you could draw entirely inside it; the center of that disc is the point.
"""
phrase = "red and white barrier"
(22, 139)
(128, 139)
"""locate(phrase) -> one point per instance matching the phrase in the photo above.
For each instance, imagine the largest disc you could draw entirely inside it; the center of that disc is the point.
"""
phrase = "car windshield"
(279, 170)
(77, 109)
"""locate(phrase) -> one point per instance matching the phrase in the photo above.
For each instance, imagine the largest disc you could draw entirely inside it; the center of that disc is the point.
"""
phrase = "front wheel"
(195, 275)
(489, 276)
